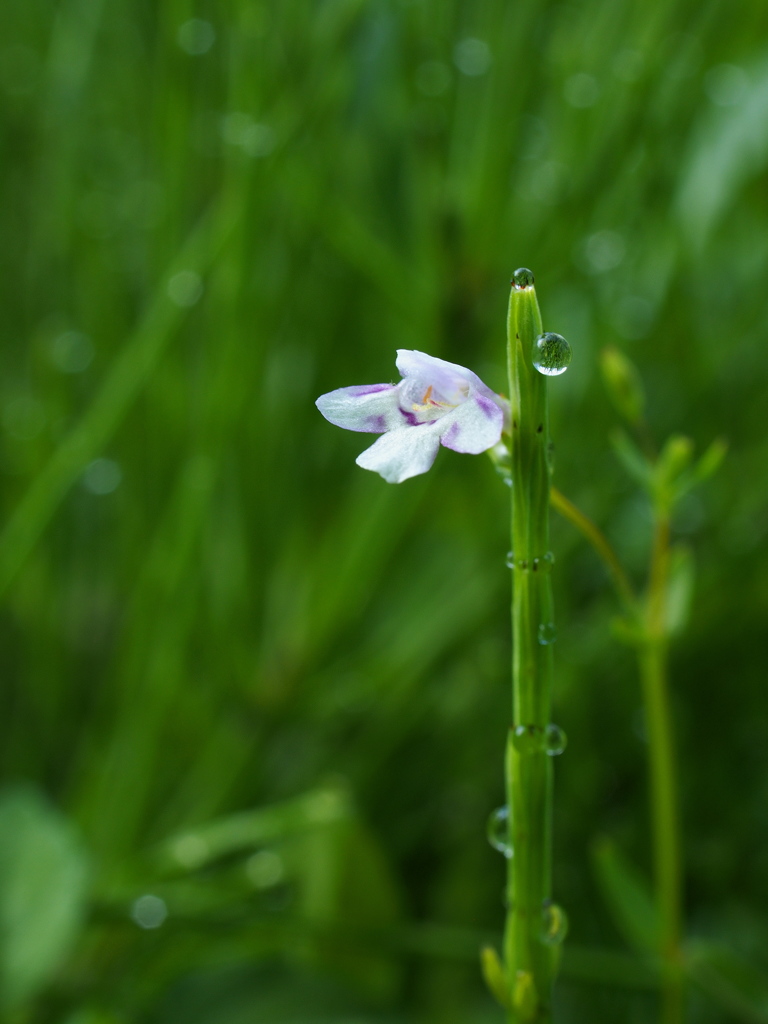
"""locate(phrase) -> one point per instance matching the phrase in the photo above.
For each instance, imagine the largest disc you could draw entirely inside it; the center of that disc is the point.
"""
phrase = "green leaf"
(710, 461)
(632, 459)
(495, 976)
(679, 588)
(43, 889)
(674, 460)
(706, 466)
(734, 983)
(627, 896)
(525, 998)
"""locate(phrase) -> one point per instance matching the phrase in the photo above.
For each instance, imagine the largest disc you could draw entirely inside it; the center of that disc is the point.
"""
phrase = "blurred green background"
(254, 699)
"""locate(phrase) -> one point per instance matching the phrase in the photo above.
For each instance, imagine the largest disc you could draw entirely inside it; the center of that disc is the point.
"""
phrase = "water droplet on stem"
(498, 831)
(554, 924)
(547, 633)
(551, 354)
(555, 740)
(527, 739)
(533, 739)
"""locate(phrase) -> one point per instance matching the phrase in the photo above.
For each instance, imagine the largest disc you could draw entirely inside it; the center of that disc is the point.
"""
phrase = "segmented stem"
(528, 959)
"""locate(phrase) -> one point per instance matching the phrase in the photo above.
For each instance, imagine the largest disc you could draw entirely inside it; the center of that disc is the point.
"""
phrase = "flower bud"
(623, 384)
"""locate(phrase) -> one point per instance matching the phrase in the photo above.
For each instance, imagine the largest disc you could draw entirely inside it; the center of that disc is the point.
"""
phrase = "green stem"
(529, 960)
(664, 812)
(599, 542)
(653, 659)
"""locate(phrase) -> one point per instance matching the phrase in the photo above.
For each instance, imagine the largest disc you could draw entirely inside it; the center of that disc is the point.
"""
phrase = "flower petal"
(369, 408)
(472, 427)
(443, 375)
(402, 453)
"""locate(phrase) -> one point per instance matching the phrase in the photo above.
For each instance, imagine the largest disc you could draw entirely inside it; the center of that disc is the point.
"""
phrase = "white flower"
(435, 403)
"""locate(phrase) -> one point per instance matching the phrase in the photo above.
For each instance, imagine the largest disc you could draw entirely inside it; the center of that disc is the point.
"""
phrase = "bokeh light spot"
(265, 869)
(255, 138)
(196, 36)
(149, 911)
(581, 90)
(604, 250)
(472, 57)
(185, 288)
(72, 352)
(102, 476)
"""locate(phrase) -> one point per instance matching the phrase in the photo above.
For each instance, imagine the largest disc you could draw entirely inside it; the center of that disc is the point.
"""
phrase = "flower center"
(430, 404)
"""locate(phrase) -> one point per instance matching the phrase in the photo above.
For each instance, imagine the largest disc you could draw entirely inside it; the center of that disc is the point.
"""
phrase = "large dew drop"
(498, 831)
(551, 354)
(523, 278)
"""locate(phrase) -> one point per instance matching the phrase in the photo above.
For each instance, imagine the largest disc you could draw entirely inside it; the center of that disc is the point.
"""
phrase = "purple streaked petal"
(444, 376)
(472, 427)
(451, 435)
(366, 389)
(402, 453)
(488, 407)
(368, 408)
(412, 420)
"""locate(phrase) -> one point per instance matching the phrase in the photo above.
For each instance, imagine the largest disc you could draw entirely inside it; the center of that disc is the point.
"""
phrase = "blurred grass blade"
(627, 896)
(128, 373)
(74, 33)
(342, 879)
(731, 148)
(43, 888)
(729, 980)
(196, 847)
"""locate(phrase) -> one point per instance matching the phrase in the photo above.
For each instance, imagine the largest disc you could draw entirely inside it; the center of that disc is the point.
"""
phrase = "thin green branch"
(652, 656)
(664, 803)
(600, 543)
